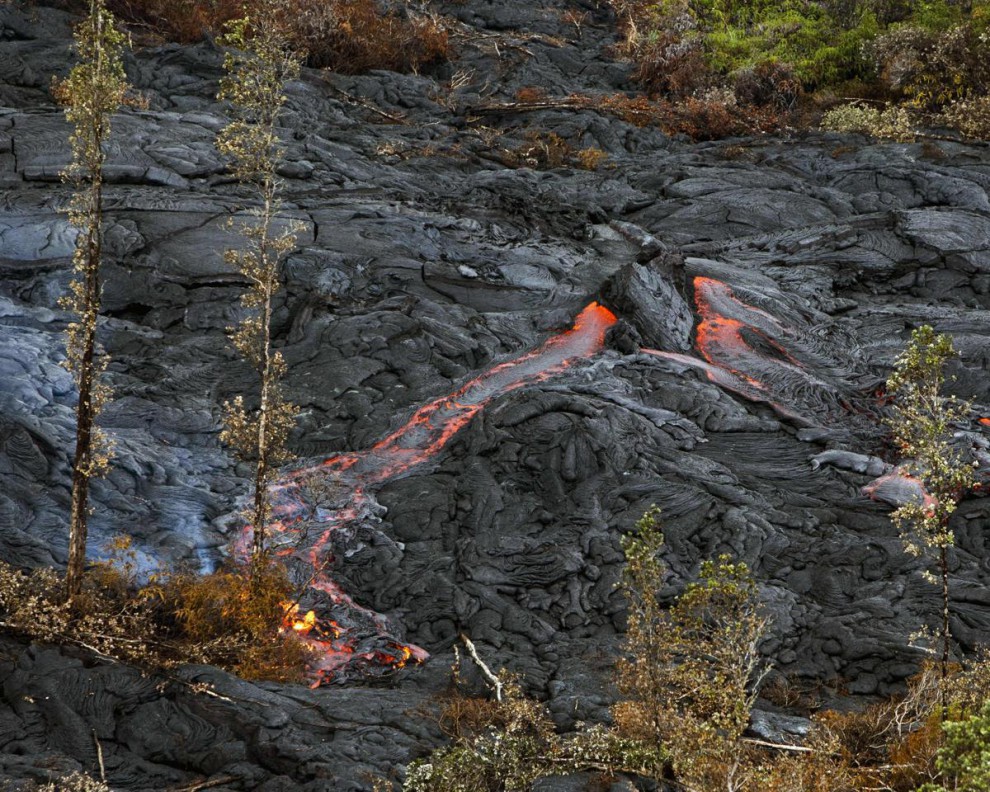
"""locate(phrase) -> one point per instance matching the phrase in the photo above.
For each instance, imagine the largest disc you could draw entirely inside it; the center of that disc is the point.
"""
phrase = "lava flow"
(329, 500)
(898, 487)
(739, 349)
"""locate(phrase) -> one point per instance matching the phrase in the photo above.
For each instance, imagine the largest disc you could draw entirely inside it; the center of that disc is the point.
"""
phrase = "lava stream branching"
(739, 350)
(313, 503)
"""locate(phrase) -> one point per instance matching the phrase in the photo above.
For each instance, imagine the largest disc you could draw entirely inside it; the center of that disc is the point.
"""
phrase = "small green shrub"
(964, 760)
(690, 674)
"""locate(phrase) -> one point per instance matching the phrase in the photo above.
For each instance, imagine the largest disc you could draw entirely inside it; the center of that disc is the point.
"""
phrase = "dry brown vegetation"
(232, 618)
(348, 36)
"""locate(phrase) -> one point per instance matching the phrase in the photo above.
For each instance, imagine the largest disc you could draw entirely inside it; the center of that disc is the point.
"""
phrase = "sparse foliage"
(92, 92)
(970, 116)
(506, 756)
(690, 673)
(505, 745)
(258, 67)
(890, 123)
(75, 782)
(231, 618)
(921, 422)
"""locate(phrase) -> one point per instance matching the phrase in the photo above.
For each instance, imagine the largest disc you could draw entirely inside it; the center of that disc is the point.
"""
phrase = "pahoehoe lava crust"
(450, 478)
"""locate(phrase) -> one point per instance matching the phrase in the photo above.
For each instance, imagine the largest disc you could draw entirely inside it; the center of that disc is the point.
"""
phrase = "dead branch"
(99, 757)
(777, 746)
(207, 784)
(495, 682)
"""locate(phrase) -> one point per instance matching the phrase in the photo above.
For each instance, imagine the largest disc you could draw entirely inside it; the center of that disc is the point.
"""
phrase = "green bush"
(928, 54)
(964, 760)
(690, 674)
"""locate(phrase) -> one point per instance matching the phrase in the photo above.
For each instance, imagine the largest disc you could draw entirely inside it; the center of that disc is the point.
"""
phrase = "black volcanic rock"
(762, 288)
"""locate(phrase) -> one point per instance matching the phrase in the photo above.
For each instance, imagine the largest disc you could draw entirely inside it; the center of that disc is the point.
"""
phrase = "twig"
(778, 746)
(496, 108)
(362, 102)
(207, 784)
(496, 683)
(99, 757)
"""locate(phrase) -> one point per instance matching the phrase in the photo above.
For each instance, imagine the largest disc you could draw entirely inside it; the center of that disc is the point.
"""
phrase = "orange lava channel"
(419, 440)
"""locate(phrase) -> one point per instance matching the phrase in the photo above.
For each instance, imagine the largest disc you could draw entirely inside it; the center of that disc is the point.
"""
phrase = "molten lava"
(899, 487)
(314, 503)
(738, 343)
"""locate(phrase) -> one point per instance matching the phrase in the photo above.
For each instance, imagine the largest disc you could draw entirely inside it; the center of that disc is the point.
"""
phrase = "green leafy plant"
(690, 674)
(921, 422)
(964, 760)
(92, 92)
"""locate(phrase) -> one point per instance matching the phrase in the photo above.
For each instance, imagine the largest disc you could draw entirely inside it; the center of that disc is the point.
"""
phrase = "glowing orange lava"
(985, 421)
(351, 478)
(898, 487)
(728, 358)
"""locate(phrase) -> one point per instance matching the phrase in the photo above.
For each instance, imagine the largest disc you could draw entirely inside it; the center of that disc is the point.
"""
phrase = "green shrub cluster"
(930, 55)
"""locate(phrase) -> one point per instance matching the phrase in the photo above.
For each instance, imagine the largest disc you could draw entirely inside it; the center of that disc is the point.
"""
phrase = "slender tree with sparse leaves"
(921, 422)
(690, 674)
(258, 65)
(92, 92)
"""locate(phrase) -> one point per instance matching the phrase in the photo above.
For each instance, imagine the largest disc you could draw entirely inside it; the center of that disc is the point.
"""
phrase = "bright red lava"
(343, 500)
(720, 339)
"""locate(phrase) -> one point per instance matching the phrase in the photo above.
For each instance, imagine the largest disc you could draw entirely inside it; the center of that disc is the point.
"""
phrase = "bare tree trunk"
(86, 410)
(269, 273)
(944, 566)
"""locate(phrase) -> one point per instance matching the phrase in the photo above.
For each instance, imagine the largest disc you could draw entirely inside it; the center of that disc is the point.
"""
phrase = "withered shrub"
(768, 84)
(545, 150)
(347, 36)
(661, 41)
(355, 36)
(931, 68)
(893, 745)
(182, 21)
(232, 618)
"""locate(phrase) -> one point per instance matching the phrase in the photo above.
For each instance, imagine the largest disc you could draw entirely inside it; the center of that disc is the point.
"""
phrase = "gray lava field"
(759, 291)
